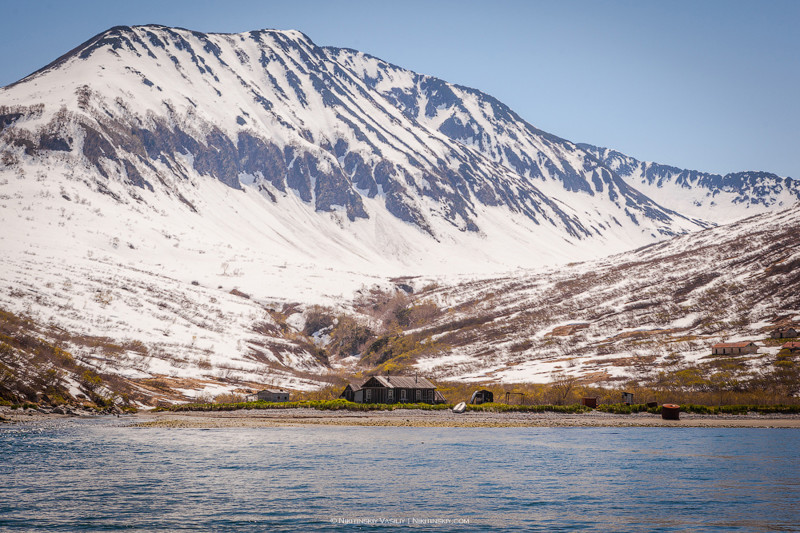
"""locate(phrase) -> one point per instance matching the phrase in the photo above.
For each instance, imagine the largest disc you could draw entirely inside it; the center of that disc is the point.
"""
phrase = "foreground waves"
(99, 475)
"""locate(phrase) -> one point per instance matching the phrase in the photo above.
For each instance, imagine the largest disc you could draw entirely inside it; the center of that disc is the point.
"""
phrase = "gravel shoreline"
(256, 418)
(411, 418)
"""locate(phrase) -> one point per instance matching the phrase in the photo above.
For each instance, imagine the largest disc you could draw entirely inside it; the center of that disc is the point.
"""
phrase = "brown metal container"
(670, 411)
(589, 402)
(650, 405)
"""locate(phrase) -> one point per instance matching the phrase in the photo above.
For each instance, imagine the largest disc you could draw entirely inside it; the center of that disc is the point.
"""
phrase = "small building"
(792, 347)
(349, 392)
(627, 398)
(784, 333)
(734, 348)
(393, 389)
(269, 395)
(589, 402)
(482, 396)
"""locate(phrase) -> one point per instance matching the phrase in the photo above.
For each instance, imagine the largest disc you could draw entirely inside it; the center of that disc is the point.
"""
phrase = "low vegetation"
(37, 368)
(622, 408)
(344, 405)
(321, 405)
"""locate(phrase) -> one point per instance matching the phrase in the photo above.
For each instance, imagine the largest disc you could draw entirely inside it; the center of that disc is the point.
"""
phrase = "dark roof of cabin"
(354, 385)
(403, 382)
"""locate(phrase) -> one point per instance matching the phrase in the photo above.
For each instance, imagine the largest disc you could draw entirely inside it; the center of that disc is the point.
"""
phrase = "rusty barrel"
(670, 411)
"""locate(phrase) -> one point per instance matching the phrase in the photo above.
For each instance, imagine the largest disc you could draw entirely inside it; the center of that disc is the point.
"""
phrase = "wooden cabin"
(269, 395)
(734, 348)
(792, 347)
(393, 389)
(784, 333)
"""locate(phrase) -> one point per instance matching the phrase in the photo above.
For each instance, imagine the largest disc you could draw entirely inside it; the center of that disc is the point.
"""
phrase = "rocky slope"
(660, 306)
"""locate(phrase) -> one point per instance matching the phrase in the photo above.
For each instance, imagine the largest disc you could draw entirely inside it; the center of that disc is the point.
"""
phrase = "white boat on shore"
(460, 407)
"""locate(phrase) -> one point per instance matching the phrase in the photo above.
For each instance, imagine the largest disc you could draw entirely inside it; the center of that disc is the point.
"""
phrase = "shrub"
(317, 318)
(625, 409)
(348, 337)
(344, 405)
(90, 381)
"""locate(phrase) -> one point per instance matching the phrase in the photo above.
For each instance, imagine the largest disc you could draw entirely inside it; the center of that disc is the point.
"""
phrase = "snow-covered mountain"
(182, 197)
(712, 197)
(667, 302)
(149, 111)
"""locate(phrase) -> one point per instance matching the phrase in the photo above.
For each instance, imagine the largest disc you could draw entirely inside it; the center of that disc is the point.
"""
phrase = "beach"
(445, 418)
(254, 418)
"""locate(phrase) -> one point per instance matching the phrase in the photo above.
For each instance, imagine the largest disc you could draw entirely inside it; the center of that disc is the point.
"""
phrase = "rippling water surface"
(98, 475)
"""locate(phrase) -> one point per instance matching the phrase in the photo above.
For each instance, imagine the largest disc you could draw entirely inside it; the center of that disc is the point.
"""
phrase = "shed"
(482, 396)
(784, 333)
(393, 389)
(350, 391)
(734, 348)
(627, 398)
(269, 395)
(792, 347)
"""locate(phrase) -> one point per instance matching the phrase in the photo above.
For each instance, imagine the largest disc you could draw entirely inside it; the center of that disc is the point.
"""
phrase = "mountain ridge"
(753, 190)
(453, 178)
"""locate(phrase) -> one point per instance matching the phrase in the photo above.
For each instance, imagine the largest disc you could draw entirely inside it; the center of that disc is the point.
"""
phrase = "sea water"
(101, 475)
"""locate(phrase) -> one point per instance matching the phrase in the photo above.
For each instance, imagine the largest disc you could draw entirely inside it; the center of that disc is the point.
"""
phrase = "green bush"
(321, 405)
(625, 409)
(703, 409)
(344, 405)
(506, 408)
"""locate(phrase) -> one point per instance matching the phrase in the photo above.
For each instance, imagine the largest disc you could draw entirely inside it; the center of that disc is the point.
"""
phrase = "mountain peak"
(153, 110)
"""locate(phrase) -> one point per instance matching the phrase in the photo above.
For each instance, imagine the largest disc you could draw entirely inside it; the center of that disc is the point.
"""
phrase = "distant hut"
(269, 395)
(734, 348)
(393, 389)
(784, 333)
(590, 401)
(627, 398)
(482, 396)
(792, 347)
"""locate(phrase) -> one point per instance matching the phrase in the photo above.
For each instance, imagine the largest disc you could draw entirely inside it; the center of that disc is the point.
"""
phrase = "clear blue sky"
(709, 85)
